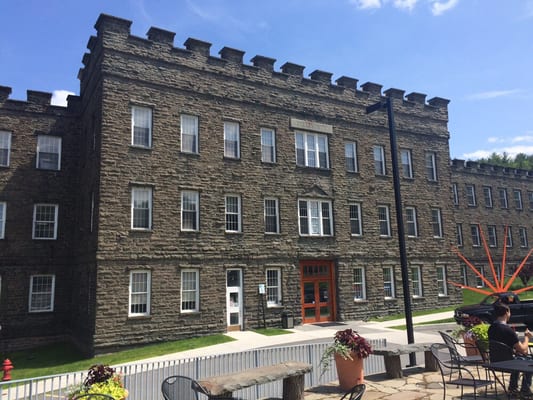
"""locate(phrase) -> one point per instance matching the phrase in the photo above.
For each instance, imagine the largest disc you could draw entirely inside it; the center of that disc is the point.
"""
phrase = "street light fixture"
(387, 104)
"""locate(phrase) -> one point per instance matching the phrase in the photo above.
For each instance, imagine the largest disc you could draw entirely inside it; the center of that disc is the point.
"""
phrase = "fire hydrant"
(7, 366)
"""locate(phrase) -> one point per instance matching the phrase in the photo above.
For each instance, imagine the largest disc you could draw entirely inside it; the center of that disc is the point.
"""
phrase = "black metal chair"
(454, 373)
(356, 393)
(179, 387)
(94, 396)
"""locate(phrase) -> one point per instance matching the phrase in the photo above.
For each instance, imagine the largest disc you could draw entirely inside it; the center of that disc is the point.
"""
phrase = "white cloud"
(495, 140)
(440, 7)
(492, 94)
(522, 139)
(59, 97)
(405, 4)
(511, 151)
(366, 4)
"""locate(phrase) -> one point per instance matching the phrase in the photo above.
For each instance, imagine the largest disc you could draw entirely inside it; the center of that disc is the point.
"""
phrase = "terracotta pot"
(350, 372)
(470, 346)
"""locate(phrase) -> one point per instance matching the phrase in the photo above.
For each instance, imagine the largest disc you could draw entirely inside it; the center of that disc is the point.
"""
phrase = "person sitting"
(501, 332)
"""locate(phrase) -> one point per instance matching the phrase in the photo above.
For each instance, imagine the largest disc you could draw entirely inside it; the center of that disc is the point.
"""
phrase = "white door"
(234, 298)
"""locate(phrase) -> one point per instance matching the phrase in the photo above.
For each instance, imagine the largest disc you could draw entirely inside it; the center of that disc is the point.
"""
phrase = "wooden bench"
(292, 373)
(391, 355)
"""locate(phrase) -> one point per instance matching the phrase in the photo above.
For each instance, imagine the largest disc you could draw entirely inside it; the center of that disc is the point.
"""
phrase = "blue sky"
(476, 53)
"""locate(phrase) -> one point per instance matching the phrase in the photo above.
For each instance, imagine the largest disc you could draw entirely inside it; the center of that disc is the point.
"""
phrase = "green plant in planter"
(480, 333)
(345, 343)
(101, 379)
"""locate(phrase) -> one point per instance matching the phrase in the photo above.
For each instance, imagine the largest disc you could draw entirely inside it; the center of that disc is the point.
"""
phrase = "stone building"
(184, 193)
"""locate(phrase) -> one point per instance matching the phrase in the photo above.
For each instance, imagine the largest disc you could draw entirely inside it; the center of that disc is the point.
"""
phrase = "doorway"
(318, 291)
(234, 299)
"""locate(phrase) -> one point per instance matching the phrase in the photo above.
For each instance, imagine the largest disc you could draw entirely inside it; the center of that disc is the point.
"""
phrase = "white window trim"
(478, 239)
(353, 149)
(276, 202)
(509, 237)
(8, 142)
(455, 194)
(392, 283)
(3, 213)
(417, 283)
(362, 283)
(52, 294)
(494, 235)
(518, 199)
(470, 195)
(431, 166)
(487, 195)
(459, 234)
(150, 207)
(238, 213)
(148, 293)
(227, 124)
(263, 145)
(151, 121)
(194, 134)
(316, 139)
(39, 145)
(438, 223)
(270, 303)
(505, 198)
(359, 219)
(382, 166)
(386, 220)
(196, 197)
(413, 222)
(409, 163)
(308, 217)
(56, 209)
(522, 234)
(442, 281)
(196, 291)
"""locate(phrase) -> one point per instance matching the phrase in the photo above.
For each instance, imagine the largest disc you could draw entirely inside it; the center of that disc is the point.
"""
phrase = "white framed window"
(271, 215)
(312, 150)
(384, 221)
(190, 210)
(522, 233)
(141, 126)
(502, 192)
(190, 292)
(379, 160)
(359, 284)
(436, 222)
(509, 237)
(189, 133)
(480, 282)
(273, 287)
(315, 217)
(45, 221)
(455, 193)
(389, 291)
(49, 152)
(3, 211)
(407, 164)
(487, 196)
(530, 199)
(416, 281)
(268, 145)
(459, 233)
(350, 154)
(139, 289)
(42, 289)
(232, 146)
(141, 208)
(517, 194)
(492, 236)
(431, 166)
(356, 226)
(474, 232)
(442, 286)
(470, 195)
(5, 148)
(411, 222)
(233, 213)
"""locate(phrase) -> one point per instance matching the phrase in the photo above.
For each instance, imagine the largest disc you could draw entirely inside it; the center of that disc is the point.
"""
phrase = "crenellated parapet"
(115, 33)
(475, 167)
(35, 101)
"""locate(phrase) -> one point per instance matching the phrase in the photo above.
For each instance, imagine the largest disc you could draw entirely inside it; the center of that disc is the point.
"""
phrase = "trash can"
(287, 320)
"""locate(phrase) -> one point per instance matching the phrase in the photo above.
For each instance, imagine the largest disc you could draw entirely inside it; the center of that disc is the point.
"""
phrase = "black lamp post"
(399, 220)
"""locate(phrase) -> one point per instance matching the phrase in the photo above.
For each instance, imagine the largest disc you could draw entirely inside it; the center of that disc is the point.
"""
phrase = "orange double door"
(318, 291)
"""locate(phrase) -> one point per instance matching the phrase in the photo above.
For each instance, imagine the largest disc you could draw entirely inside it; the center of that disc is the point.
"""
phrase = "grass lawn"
(271, 331)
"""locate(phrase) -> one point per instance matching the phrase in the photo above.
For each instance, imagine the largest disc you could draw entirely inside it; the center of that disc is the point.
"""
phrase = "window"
(315, 218)
(411, 223)
(232, 140)
(45, 221)
(49, 152)
(517, 195)
(139, 293)
(442, 287)
(5, 148)
(509, 237)
(271, 215)
(479, 281)
(350, 152)
(189, 133)
(388, 283)
(487, 196)
(384, 221)
(141, 208)
(530, 199)
(233, 213)
(474, 230)
(503, 197)
(431, 166)
(470, 195)
(522, 233)
(190, 292)
(416, 281)
(312, 150)
(141, 126)
(379, 160)
(359, 286)
(493, 239)
(42, 289)
(455, 194)
(268, 145)
(3, 207)
(436, 222)
(190, 210)
(273, 287)
(407, 166)
(356, 226)
(459, 232)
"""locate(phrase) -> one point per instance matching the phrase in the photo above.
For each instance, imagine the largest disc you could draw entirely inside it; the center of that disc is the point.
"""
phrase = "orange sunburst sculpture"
(498, 285)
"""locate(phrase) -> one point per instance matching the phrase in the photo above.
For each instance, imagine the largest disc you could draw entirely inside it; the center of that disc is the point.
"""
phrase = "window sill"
(137, 147)
(390, 299)
(139, 317)
(360, 301)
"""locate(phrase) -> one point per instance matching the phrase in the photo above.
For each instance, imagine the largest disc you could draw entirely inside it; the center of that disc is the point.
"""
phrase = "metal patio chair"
(356, 393)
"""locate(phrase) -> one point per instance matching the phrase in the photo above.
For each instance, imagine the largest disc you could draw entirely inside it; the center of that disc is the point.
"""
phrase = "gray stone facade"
(97, 250)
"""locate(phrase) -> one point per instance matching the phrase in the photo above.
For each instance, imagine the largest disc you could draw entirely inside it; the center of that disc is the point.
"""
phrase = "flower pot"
(470, 346)
(350, 372)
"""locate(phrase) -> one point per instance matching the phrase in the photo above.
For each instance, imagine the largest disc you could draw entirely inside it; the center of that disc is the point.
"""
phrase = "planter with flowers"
(348, 349)
(101, 379)
(472, 329)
